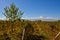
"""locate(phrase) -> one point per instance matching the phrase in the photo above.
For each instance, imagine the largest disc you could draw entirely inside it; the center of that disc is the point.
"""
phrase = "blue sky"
(34, 8)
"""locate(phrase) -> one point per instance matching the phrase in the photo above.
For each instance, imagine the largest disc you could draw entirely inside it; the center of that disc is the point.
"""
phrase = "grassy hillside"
(13, 30)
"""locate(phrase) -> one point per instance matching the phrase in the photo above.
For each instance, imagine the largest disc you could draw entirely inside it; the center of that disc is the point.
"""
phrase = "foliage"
(33, 28)
(12, 12)
(5, 37)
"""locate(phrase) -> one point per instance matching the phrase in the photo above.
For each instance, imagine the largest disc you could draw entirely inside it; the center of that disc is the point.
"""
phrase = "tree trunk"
(23, 34)
(57, 35)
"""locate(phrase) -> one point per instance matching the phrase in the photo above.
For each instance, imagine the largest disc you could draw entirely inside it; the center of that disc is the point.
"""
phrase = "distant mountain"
(37, 18)
(43, 19)
(49, 20)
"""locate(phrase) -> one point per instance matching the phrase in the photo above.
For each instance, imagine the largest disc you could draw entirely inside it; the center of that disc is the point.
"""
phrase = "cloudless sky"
(34, 8)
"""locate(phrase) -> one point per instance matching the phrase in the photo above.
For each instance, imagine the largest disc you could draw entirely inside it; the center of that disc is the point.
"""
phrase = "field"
(34, 30)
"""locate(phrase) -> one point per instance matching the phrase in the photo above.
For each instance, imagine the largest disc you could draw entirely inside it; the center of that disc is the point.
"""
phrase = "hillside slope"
(14, 30)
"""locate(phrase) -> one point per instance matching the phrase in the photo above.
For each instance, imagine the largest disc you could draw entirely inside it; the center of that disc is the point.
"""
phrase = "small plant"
(5, 37)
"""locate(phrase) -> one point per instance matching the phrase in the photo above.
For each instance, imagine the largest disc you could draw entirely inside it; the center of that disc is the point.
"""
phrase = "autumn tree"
(12, 12)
